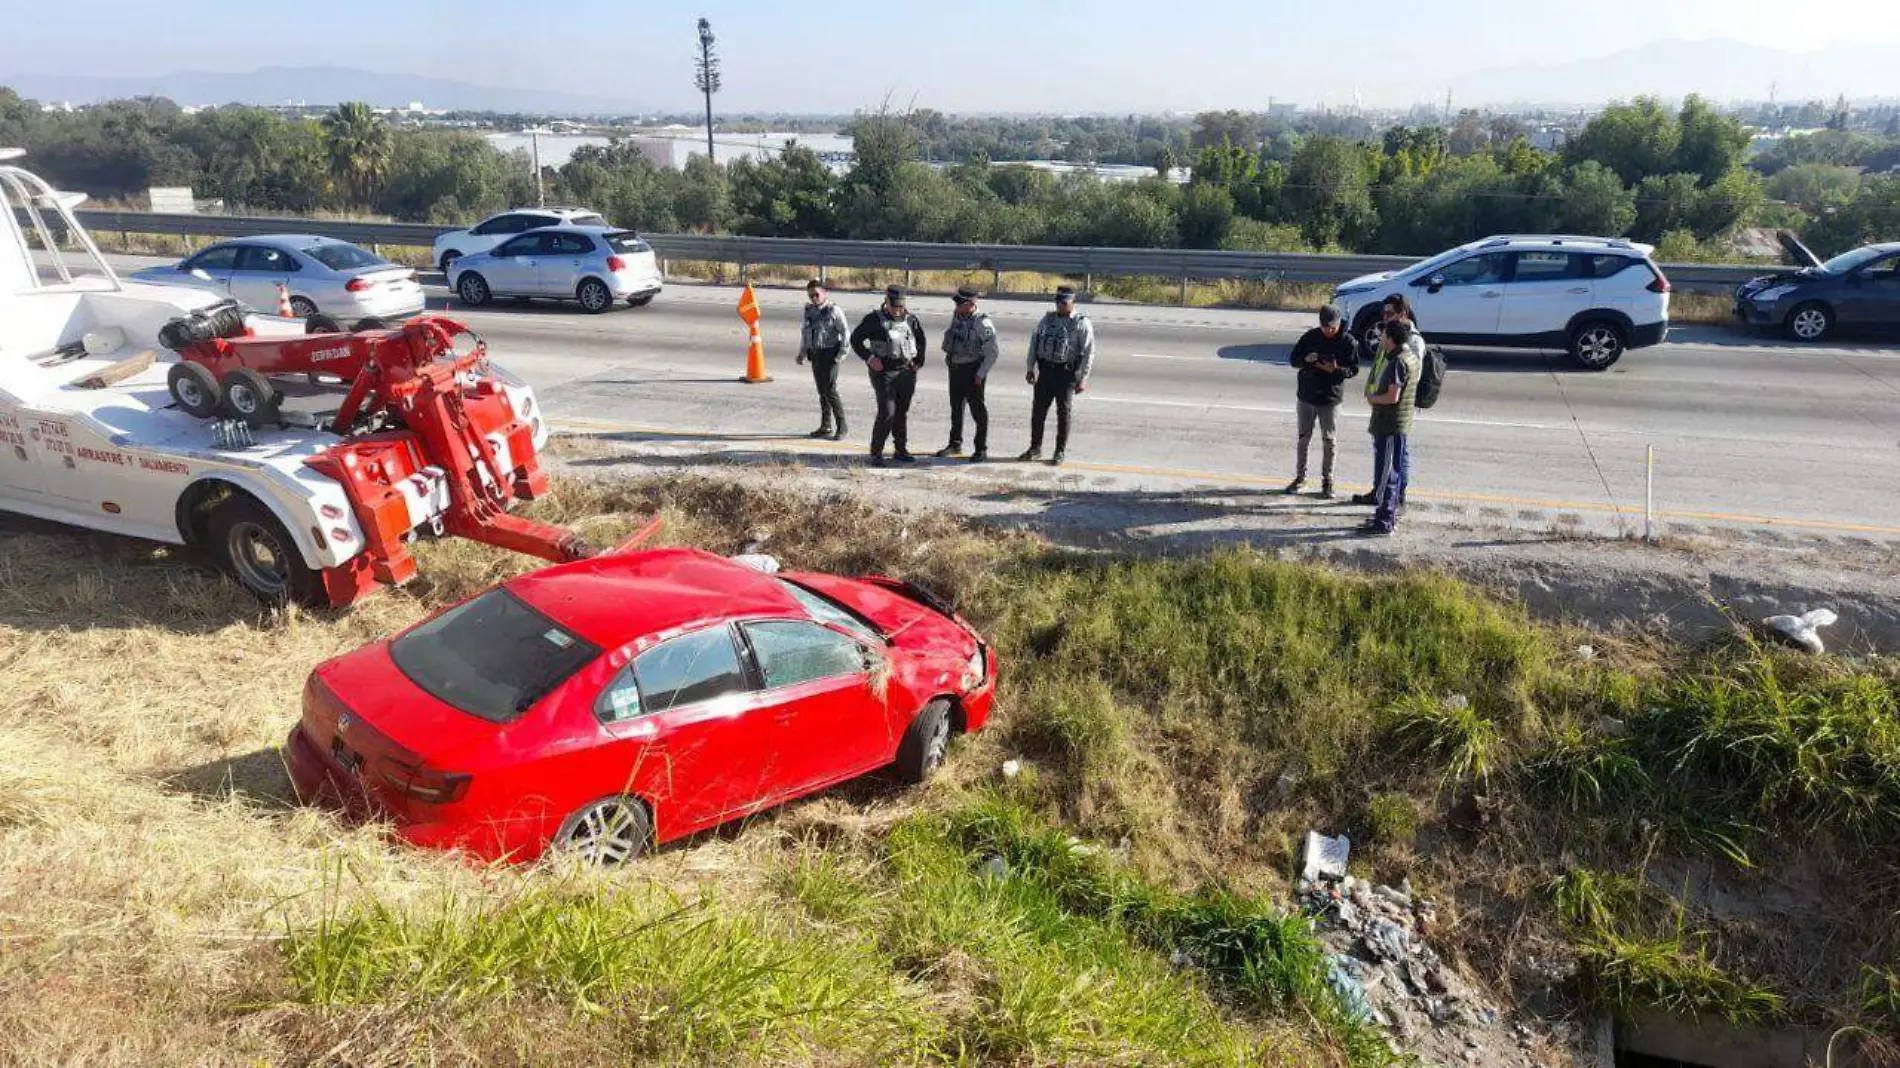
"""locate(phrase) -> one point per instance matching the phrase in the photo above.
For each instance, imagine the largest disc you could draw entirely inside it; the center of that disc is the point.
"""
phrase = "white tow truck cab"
(90, 434)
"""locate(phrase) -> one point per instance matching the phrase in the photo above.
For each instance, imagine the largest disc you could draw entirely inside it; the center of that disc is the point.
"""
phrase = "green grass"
(1673, 974)
(689, 978)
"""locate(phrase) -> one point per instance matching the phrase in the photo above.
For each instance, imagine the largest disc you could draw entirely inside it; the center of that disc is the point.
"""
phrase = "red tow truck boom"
(427, 435)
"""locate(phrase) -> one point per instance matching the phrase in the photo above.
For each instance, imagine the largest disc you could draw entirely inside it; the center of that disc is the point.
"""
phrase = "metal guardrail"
(1184, 264)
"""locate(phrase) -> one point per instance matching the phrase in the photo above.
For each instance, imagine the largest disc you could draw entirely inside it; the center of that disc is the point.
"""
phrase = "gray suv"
(1855, 290)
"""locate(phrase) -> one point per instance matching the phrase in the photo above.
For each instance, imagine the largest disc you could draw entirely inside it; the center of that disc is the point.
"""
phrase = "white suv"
(1594, 297)
(495, 229)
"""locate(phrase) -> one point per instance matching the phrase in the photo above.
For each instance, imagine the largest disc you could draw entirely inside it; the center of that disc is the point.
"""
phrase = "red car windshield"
(492, 657)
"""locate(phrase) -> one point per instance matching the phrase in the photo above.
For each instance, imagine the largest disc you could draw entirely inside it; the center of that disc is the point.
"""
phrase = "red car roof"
(611, 600)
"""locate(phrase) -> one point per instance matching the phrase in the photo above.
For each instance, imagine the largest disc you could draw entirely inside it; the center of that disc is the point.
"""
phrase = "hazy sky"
(964, 55)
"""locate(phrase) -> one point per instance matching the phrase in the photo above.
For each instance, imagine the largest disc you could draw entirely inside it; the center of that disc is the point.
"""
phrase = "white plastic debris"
(1325, 857)
(1586, 652)
(1457, 702)
(1803, 630)
(757, 562)
(994, 867)
(1012, 768)
(103, 340)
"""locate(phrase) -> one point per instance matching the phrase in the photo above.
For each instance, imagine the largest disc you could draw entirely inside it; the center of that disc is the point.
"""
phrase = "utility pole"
(540, 194)
(707, 78)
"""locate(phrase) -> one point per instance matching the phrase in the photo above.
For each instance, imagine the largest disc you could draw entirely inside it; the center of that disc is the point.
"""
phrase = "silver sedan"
(321, 275)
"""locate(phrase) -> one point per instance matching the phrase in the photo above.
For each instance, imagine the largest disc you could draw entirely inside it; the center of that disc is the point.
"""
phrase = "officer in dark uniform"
(891, 343)
(1061, 354)
(821, 340)
(969, 352)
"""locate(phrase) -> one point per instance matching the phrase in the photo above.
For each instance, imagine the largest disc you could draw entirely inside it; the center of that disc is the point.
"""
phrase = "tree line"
(1680, 178)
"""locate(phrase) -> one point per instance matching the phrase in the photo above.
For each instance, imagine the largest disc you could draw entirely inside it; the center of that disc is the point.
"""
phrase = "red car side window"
(689, 669)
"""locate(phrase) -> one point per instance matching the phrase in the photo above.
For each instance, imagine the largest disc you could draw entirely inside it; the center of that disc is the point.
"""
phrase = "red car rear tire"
(611, 831)
(925, 743)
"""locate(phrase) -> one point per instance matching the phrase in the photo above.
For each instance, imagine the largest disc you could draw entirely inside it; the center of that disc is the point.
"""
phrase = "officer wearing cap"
(891, 343)
(970, 351)
(1061, 354)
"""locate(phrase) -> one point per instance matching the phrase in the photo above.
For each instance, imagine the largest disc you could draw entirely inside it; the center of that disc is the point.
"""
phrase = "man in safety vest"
(891, 343)
(970, 352)
(1061, 354)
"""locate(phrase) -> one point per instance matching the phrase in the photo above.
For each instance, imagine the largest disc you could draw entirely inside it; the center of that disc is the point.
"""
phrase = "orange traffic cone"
(755, 353)
(283, 302)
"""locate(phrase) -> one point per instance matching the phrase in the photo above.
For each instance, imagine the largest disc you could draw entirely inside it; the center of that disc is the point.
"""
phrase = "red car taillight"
(429, 785)
(357, 285)
(1658, 284)
(616, 264)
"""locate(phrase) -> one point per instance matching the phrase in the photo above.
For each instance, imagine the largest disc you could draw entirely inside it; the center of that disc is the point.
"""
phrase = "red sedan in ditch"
(605, 705)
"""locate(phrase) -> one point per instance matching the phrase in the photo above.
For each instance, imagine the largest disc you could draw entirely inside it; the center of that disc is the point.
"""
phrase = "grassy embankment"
(1184, 720)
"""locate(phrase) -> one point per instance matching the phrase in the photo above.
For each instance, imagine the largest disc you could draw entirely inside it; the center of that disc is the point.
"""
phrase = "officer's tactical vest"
(821, 328)
(1056, 339)
(966, 338)
(899, 347)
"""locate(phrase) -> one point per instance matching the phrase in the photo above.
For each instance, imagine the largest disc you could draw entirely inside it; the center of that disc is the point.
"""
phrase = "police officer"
(821, 340)
(891, 343)
(1061, 353)
(970, 351)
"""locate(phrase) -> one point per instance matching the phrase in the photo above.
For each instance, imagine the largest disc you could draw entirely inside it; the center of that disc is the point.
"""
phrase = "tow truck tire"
(250, 396)
(194, 388)
(369, 322)
(255, 550)
(321, 324)
(594, 296)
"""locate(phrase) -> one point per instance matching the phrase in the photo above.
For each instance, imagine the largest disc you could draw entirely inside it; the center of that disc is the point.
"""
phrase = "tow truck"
(303, 465)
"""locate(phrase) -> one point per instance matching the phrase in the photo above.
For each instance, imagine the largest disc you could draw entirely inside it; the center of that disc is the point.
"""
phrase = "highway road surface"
(1748, 431)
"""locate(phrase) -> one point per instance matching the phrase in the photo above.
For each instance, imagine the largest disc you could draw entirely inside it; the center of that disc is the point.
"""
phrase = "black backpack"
(1431, 379)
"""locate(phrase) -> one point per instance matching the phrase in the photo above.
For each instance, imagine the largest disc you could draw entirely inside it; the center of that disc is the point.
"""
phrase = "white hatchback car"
(1594, 297)
(495, 229)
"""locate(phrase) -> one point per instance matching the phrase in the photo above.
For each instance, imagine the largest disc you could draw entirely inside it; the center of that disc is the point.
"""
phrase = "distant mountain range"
(1718, 70)
(311, 85)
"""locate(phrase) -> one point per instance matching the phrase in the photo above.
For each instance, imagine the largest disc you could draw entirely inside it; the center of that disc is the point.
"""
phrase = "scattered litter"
(1325, 856)
(1012, 768)
(993, 867)
(1803, 631)
(1457, 702)
(756, 541)
(757, 562)
(1385, 940)
(1586, 652)
(1341, 976)
(1611, 727)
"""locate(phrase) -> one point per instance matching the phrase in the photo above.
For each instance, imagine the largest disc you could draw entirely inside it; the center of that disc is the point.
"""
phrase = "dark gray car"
(1858, 290)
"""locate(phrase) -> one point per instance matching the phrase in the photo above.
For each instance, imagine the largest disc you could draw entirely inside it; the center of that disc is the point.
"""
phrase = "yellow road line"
(602, 426)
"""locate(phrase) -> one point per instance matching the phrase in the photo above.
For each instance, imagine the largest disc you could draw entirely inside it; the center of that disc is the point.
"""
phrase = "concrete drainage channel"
(1666, 1042)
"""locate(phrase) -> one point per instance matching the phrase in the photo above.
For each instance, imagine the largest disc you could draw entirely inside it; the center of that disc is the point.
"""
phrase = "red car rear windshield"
(492, 657)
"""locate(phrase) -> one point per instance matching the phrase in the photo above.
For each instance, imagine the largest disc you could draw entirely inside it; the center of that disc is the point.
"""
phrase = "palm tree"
(360, 149)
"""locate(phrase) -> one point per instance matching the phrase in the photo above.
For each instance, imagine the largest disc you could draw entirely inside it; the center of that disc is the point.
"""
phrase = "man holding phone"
(1326, 357)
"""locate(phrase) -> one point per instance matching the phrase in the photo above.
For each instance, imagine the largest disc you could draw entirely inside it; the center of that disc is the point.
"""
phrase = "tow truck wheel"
(250, 396)
(252, 547)
(368, 322)
(321, 324)
(194, 389)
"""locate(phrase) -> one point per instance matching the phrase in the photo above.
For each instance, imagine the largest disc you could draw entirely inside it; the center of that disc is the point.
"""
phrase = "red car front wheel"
(925, 742)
